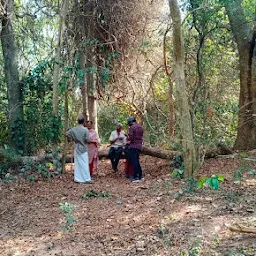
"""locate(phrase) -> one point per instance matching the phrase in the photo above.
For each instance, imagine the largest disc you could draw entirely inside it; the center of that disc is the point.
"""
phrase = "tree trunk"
(184, 119)
(65, 128)
(83, 87)
(150, 151)
(91, 88)
(244, 36)
(14, 86)
(56, 71)
(170, 91)
(92, 75)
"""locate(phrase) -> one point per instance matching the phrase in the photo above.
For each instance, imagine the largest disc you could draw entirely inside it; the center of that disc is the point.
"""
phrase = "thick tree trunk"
(245, 36)
(14, 86)
(184, 119)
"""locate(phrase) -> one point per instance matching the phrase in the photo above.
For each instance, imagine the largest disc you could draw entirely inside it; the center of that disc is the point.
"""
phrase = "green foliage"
(9, 159)
(108, 117)
(243, 168)
(163, 233)
(30, 169)
(215, 122)
(42, 127)
(194, 250)
(18, 135)
(178, 171)
(191, 184)
(93, 193)
(4, 131)
(188, 188)
(70, 220)
(213, 182)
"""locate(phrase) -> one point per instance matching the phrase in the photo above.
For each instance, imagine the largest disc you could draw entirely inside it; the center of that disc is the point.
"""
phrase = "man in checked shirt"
(134, 145)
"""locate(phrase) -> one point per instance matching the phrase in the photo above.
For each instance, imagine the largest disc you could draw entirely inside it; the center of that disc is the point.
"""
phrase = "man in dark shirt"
(134, 142)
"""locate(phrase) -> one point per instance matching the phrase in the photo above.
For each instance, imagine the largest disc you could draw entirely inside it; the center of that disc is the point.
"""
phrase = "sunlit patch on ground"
(135, 220)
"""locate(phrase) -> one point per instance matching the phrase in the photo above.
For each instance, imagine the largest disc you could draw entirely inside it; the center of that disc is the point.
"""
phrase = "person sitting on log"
(117, 140)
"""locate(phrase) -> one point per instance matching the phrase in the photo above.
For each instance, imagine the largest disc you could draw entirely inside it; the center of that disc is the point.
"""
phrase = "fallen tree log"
(242, 229)
(103, 153)
(150, 151)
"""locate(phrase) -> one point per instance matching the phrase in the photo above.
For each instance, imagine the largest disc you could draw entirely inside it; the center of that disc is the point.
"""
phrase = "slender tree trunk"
(170, 91)
(83, 87)
(14, 86)
(184, 118)
(65, 127)
(91, 76)
(56, 71)
(91, 88)
(245, 36)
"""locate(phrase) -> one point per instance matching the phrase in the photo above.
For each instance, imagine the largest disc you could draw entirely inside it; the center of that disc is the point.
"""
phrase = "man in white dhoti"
(80, 135)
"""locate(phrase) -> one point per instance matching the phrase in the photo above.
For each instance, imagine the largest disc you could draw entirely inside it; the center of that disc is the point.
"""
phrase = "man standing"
(134, 142)
(80, 135)
(117, 140)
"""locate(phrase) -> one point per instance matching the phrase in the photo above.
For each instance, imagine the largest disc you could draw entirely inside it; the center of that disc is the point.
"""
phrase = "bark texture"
(244, 35)
(184, 119)
(56, 71)
(14, 86)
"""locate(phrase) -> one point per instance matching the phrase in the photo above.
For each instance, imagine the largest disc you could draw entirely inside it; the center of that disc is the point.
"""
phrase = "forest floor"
(154, 217)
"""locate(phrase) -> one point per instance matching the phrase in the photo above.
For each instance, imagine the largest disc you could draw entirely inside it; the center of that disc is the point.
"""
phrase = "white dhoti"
(82, 172)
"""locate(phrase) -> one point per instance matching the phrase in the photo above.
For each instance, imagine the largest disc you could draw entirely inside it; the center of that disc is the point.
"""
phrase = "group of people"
(86, 149)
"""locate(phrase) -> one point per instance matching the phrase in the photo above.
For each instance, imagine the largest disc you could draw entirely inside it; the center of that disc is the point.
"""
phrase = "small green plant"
(213, 182)
(67, 210)
(252, 172)
(239, 173)
(56, 161)
(31, 177)
(163, 233)
(194, 250)
(93, 193)
(9, 177)
(187, 188)
(178, 165)
(30, 168)
(9, 160)
(178, 173)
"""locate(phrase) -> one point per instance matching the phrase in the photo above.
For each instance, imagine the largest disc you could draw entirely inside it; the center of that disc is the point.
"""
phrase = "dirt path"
(146, 218)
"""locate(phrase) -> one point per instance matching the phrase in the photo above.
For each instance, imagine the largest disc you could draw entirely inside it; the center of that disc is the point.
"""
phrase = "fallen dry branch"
(242, 229)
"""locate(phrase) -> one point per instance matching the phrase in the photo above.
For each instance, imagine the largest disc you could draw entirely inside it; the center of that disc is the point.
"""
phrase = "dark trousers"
(114, 156)
(132, 155)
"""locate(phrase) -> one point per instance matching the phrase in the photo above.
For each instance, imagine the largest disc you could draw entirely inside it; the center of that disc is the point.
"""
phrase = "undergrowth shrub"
(12, 164)
(9, 160)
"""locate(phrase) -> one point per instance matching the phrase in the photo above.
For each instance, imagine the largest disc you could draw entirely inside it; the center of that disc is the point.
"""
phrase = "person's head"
(80, 120)
(131, 120)
(89, 125)
(119, 127)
